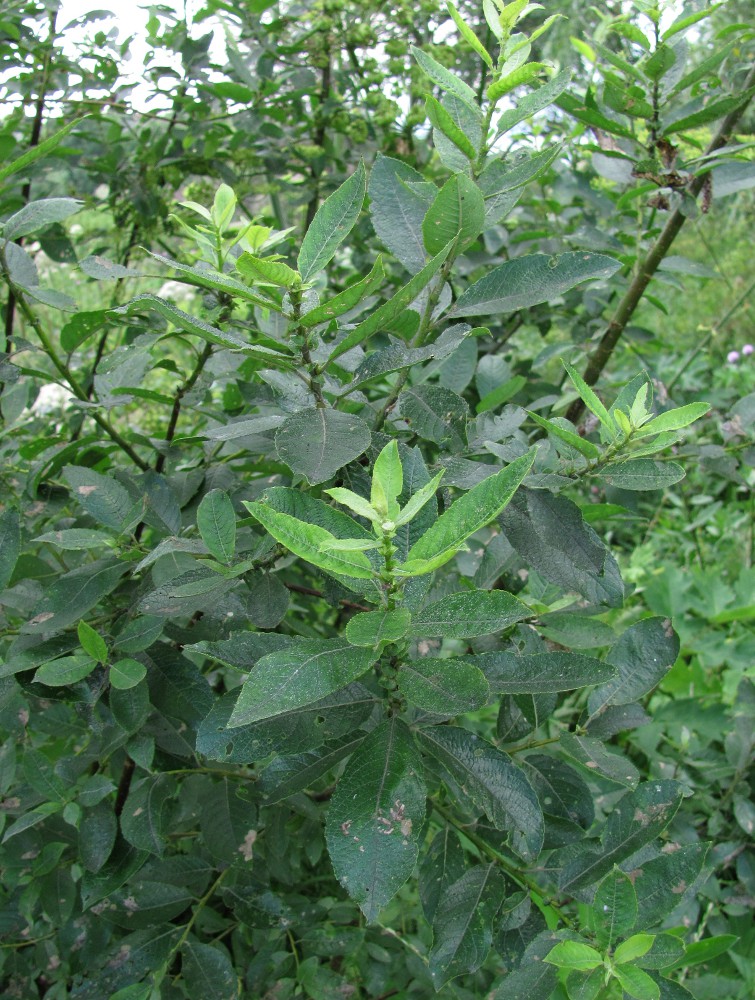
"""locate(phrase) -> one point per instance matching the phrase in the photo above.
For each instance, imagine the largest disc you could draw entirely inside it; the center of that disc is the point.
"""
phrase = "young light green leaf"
(468, 614)
(319, 441)
(504, 85)
(493, 782)
(371, 628)
(458, 212)
(443, 686)
(349, 545)
(463, 925)
(580, 444)
(472, 511)
(387, 481)
(529, 280)
(347, 299)
(636, 983)
(390, 310)
(614, 908)
(354, 502)
(418, 500)
(674, 420)
(331, 225)
(375, 819)
(574, 955)
(216, 521)
(300, 674)
(469, 35)
(92, 642)
(127, 673)
(633, 948)
(66, 670)
(443, 122)
(265, 271)
(589, 398)
(305, 539)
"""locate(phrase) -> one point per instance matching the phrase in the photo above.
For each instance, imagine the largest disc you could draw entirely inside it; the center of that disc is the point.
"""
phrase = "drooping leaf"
(468, 614)
(39, 214)
(462, 928)
(216, 521)
(304, 672)
(318, 441)
(531, 279)
(443, 686)
(493, 782)
(375, 817)
(399, 199)
(332, 223)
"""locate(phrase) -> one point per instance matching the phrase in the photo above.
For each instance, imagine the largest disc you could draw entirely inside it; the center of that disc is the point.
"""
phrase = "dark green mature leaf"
(399, 199)
(74, 594)
(304, 672)
(267, 599)
(661, 883)
(529, 280)
(468, 614)
(144, 821)
(636, 820)
(39, 214)
(457, 211)
(443, 121)
(217, 525)
(442, 865)
(331, 225)
(287, 775)
(535, 979)
(101, 496)
(127, 962)
(206, 970)
(375, 817)
(614, 908)
(593, 755)
(710, 113)
(642, 474)
(10, 544)
(435, 414)
(463, 924)
(561, 790)
(642, 657)
(97, 832)
(444, 687)
(471, 512)
(548, 531)
(539, 673)
(318, 441)
(493, 782)
(124, 862)
(444, 77)
(229, 821)
(66, 670)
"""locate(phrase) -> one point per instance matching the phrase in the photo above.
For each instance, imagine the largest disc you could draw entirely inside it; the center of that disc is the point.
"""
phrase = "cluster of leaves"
(239, 719)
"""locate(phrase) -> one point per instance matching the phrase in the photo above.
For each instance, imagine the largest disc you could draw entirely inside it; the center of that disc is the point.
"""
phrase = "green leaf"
(589, 398)
(463, 925)
(642, 474)
(202, 276)
(706, 950)
(539, 673)
(443, 122)
(207, 970)
(356, 503)
(535, 979)
(442, 866)
(101, 496)
(387, 481)
(457, 213)
(469, 614)
(375, 819)
(347, 299)
(674, 420)
(531, 104)
(614, 909)
(38, 152)
(264, 271)
(39, 214)
(469, 35)
(304, 672)
(595, 758)
(372, 628)
(393, 308)
(130, 707)
(399, 199)
(92, 642)
(686, 21)
(97, 836)
(444, 78)
(580, 444)
(517, 78)
(529, 280)
(66, 670)
(72, 595)
(305, 540)
(443, 686)
(493, 782)
(267, 599)
(73, 539)
(710, 113)
(574, 955)
(637, 983)
(10, 544)
(633, 948)
(661, 882)
(418, 500)
(549, 533)
(659, 63)
(642, 656)
(636, 820)
(666, 950)
(126, 673)
(216, 521)
(501, 394)
(331, 225)
(471, 512)
(435, 413)
(287, 775)
(144, 820)
(319, 441)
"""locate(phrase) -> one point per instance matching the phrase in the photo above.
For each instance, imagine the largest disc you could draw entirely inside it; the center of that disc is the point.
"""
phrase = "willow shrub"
(307, 680)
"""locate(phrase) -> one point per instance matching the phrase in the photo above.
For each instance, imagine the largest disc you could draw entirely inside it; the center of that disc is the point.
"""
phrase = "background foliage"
(353, 645)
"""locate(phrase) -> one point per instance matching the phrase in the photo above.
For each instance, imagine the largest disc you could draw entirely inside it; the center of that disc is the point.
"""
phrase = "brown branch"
(633, 295)
(297, 589)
